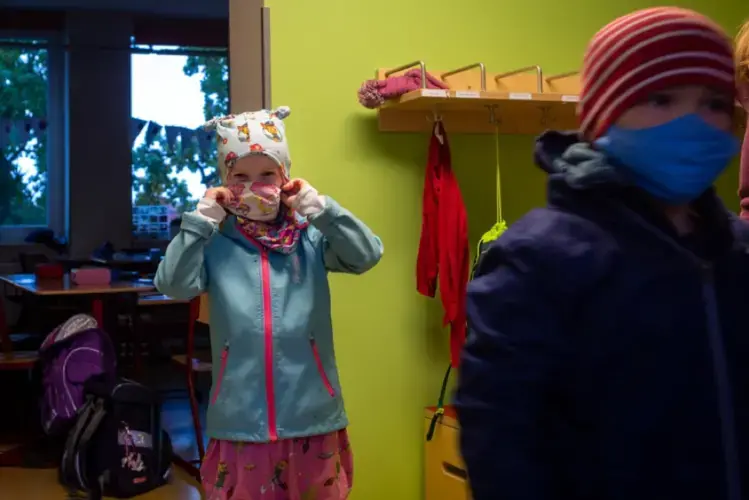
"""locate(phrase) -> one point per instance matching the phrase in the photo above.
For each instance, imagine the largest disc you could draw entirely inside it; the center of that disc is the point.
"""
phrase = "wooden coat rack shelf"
(521, 101)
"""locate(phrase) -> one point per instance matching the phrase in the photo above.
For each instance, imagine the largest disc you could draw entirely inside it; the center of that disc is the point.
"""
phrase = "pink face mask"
(255, 200)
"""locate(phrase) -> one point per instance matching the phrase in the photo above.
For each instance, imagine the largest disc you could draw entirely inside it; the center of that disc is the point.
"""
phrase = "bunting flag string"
(20, 131)
(136, 125)
(202, 139)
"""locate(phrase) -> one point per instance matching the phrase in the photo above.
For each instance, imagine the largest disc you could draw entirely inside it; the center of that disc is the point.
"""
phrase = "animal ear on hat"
(282, 112)
(212, 124)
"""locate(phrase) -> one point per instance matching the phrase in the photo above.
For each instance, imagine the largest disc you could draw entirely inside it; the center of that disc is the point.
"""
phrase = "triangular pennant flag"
(40, 126)
(171, 136)
(31, 126)
(205, 139)
(6, 127)
(152, 131)
(136, 125)
(186, 134)
(20, 133)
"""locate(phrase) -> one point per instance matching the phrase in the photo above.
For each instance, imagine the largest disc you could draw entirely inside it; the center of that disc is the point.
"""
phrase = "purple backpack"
(74, 353)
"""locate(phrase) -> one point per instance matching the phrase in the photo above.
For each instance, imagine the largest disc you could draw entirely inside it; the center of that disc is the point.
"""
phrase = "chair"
(195, 362)
(27, 263)
(10, 359)
(17, 361)
(33, 325)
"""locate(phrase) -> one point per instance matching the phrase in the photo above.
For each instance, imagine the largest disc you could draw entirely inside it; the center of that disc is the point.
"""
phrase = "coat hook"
(546, 118)
(437, 120)
(493, 118)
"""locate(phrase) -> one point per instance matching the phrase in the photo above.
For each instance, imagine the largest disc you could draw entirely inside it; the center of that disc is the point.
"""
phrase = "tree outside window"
(164, 174)
(23, 137)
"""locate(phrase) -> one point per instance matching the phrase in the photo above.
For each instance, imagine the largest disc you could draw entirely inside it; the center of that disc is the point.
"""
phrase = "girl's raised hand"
(221, 194)
(299, 195)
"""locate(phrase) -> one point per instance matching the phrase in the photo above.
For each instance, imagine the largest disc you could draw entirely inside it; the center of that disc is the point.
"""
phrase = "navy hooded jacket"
(607, 357)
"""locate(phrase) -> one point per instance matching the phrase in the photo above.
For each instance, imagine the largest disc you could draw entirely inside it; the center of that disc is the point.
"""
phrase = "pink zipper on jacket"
(321, 368)
(221, 370)
(270, 392)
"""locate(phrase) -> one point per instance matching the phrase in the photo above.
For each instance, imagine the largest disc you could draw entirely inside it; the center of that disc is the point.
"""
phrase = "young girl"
(261, 246)
(742, 66)
(608, 351)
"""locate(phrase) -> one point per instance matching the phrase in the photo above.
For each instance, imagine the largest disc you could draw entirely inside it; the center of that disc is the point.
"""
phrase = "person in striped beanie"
(658, 97)
(607, 354)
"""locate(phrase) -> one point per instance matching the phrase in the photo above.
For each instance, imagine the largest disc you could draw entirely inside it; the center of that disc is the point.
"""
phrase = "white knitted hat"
(251, 132)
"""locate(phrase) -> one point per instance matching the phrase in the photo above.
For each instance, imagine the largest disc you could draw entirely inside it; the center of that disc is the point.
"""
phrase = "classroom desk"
(158, 299)
(141, 263)
(28, 283)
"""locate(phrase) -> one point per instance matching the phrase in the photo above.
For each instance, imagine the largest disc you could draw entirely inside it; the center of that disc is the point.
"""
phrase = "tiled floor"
(32, 484)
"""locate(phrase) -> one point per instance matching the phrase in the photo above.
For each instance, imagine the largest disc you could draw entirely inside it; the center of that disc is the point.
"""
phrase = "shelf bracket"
(422, 69)
(480, 66)
(561, 75)
(527, 69)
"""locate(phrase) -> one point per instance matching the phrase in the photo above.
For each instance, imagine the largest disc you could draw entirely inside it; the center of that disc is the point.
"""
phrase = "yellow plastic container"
(445, 475)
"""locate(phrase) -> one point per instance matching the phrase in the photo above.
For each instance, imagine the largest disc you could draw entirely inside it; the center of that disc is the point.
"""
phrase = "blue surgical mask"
(675, 162)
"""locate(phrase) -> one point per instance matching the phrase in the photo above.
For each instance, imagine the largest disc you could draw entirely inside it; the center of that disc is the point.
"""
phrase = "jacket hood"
(584, 180)
(561, 154)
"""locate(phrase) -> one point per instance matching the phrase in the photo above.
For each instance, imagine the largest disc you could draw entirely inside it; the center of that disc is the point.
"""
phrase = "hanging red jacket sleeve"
(443, 249)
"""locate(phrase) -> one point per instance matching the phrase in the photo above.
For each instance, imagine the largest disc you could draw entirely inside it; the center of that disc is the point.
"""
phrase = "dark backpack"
(117, 447)
(75, 352)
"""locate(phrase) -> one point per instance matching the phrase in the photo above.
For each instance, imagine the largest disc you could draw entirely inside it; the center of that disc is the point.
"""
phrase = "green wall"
(391, 348)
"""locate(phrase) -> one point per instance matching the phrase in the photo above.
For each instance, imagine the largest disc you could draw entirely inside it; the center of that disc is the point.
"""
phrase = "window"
(174, 91)
(32, 185)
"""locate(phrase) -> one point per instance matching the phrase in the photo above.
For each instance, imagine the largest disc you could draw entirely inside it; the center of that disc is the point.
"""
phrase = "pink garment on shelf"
(319, 467)
(373, 93)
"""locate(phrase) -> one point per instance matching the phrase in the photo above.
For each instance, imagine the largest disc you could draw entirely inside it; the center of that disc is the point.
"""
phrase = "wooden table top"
(158, 299)
(28, 283)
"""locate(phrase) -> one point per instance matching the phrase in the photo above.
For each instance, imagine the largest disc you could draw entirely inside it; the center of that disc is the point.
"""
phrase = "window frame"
(56, 150)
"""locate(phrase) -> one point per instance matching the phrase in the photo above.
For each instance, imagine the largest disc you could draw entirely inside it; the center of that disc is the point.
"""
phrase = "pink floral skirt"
(313, 468)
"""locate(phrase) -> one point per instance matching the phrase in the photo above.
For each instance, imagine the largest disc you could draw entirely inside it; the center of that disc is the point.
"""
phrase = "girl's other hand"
(293, 187)
(221, 194)
(291, 190)
(299, 195)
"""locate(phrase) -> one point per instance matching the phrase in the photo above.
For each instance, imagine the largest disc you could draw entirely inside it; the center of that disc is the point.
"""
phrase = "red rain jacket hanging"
(443, 249)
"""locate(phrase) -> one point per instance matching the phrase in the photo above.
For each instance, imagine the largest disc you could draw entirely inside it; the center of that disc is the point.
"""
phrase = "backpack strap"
(69, 455)
(96, 493)
(95, 486)
(156, 440)
(487, 238)
(440, 405)
(78, 440)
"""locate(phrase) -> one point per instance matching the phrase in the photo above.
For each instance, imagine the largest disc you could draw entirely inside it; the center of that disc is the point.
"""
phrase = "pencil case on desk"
(91, 276)
(49, 271)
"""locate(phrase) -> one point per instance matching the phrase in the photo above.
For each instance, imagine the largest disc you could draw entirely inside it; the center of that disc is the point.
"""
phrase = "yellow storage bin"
(445, 475)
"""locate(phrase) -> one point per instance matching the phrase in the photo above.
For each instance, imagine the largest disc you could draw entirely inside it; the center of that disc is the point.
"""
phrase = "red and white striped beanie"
(647, 51)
